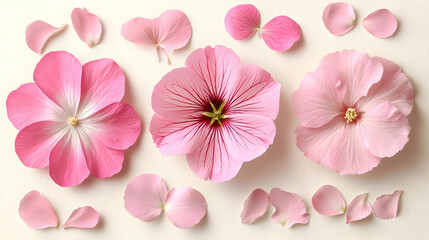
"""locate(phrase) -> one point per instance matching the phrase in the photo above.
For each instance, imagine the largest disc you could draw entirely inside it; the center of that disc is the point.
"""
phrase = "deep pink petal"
(145, 196)
(328, 201)
(174, 30)
(87, 26)
(386, 206)
(83, 217)
(36, 211)
(380, 23)
(339, 18)
(290, 209)
(242, 21)
(58, 75)
(358, 209)
(280, 33)
(185, 207)
(38, 33)
(255, 206)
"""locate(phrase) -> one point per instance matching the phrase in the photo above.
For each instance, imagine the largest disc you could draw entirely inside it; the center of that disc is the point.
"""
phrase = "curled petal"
(255, 206)
(36, 211)
(386, 206)
(381, 23)
(242, 21)
(328, 201)
(38, 33)
(83, 217)
(280, 33)
(87, 26)
(290, 209)
(358, 209)
(339, 18)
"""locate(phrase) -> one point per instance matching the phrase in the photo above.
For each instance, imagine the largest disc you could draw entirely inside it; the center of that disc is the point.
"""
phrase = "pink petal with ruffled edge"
(386, 206)
(280, 33)
(185, 207)
(255, 206)
(380, 23)
(242, 21)
(290, 209)
(38, 33)
(144, 197)
(358, 209)
(36, 211)
(87, 26)
(328, 201)
(83, 217)
(339, 18)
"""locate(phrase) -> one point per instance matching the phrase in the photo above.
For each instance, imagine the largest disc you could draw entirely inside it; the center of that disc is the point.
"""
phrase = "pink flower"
(353, 111)
(71, 119)
(216, 111)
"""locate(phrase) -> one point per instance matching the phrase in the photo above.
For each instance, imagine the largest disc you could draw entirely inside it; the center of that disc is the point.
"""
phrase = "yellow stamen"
(350, 115)
(73, 121)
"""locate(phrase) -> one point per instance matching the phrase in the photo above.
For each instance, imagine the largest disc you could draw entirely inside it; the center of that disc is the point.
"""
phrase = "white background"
(283, 165)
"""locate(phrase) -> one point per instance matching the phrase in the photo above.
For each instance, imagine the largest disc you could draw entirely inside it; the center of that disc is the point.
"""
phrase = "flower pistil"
(216, 115)
(350, 115)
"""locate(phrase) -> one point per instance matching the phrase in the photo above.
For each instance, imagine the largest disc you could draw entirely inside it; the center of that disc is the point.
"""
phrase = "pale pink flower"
(353, 111)
(216, 111)
(71, 119)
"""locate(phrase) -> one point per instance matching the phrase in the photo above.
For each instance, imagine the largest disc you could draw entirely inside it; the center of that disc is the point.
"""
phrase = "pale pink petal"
(174, 30)
(339, 18)
(185, 207)
(103, 83)
(255, 206)
(386, 206)
(83, 217)
(140, 31)
(38, 33)
(358, 209)
(328, 201)
(383, 129)
(380, 23)
(36, 211)
(242, 21)
(290, 209)
(280, 33)
(145, 196)
(87, 26)
(58, 75)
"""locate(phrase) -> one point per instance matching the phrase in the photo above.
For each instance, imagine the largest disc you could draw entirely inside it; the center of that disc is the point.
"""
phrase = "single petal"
(383, 129)
(386, 206)
(290, 209)
(280, 33)
(255, 206)
(339, 18)
(328, 201)
(145, 196)
(140, 31)
(358, 209)
(58, 75)
(38, 33)
(87, 26)
(185, 207)
(242, 21)
(174, 30)
(380, 23)
(83, 217)
(36, 211)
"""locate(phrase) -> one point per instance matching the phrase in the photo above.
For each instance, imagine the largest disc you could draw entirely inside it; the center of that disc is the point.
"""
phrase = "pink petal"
(290, 209)
(103, 83)
(339, 18)
(386, 206)
(280, 33)
(185, 207)
(328, 201)
(38, 33)
(87, 26)
(358, 209)
(255, 206)
(140, 31)
(144, 197)
(58, 75)
(36, 211)
(242, 21)
(380, 23)
(83, 217)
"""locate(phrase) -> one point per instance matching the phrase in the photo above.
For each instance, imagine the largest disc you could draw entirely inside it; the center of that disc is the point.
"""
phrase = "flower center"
(216, 115)
(350, 115)
(73, 121)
